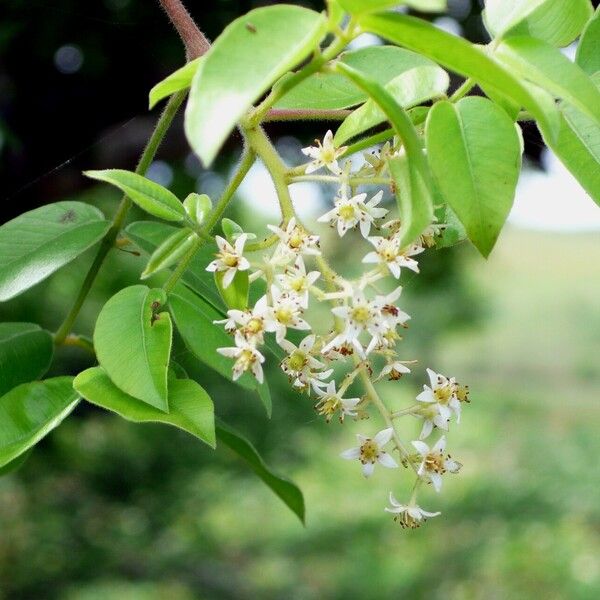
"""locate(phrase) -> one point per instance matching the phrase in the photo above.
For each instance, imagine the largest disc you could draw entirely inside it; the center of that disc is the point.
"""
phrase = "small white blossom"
(285, 312)
(247, 357)
(433, 462)
(410, 516)
(430, 233)
(252, 323)
(370, 451)
(294, 240)
(324, 155)
(295, 280)
(331, 402)
(394, 370)
(387, 252)
(349, 212)
(301, 367)
(441, 402)
(229, 258)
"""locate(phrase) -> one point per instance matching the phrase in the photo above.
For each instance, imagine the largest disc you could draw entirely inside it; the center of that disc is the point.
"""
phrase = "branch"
(195, 42)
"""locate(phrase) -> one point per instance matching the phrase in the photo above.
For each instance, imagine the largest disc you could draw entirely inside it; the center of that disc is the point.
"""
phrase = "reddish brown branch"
(195, 42)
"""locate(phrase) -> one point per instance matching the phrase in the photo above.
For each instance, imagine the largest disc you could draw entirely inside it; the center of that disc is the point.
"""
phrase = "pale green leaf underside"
(588, 49)
(148, 195)
(176, 82)
(235, 295)
(169, 252)
(475, 155)
(190, 407)
(134, 346)
(462, 57)
(30, 411)
(413, 87)
(26, 352)
(243, 63)
(39, 242)
(282, 487)
(358, 7)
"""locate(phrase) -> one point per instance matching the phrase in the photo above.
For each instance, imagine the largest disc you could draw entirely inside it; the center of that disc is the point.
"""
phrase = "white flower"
(252, 323)
(440, 401)
(430, 233)
(294, 240)
(395, 370)
(324, 155)
(349, 212)
(285, 312)
(387, 252)
(410, 516)
(331, 402)
(301, 366)
(229, 258)
(371, 451)
(433, 463)
(247, 358)
(296, 280)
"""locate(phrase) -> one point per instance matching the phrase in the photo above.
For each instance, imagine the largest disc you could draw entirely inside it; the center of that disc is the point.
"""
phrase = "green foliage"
(284, 488)
(235, 295)
(190, 407)
(31, 411)
(253, 51)
(148, 195)
(133, 343)
(475, 155)
(197, 206)
(48, 238)
(169, 252)
(588, 49)
(359, 7)
(463, 58)
(26, 352)
(175, 82)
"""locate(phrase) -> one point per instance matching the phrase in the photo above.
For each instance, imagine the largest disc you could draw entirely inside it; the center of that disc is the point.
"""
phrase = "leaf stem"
(109, 239)
(298, 114)
(195, 42)
(463, 90)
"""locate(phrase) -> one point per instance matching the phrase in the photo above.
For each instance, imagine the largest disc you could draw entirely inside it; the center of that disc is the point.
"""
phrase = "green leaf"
(39, 242)
(454, 231)
(32, 410)
(190, 407)
(578, 147)
(133, 343)
(428, 5)
(170, 251)
(148, 195)
(284, 488)
(148, 235)
(462, 57)
(26, 352)
(332, 91)
(554, 21)
(16, 464)
(475, 155)
(547, 67)
(176, 82)
(588, 49)
(358, 7)
(231, 230)
(194, 320)
(412, 87)
(243, 63)
(197, 206)
(414, 200)
(235, 295)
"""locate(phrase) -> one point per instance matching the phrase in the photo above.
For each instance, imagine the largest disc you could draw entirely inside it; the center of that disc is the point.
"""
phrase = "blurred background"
(107, 509)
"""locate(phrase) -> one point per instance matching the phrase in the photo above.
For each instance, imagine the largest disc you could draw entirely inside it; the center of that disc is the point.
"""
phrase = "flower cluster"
(358, 346)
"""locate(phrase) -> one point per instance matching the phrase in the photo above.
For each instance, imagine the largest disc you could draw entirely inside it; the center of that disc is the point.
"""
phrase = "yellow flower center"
(297, 360)
(462, 393)
(347, 212)
(255, 325)
(328, 155)
(296, 238)
(284, 316)
(388, 252)
(369, 452)
(230, 260)
(298, 284)
(328, 406)
(246, 359)
(361, 314)
(406, 521)
(443, 394)
(434, 461)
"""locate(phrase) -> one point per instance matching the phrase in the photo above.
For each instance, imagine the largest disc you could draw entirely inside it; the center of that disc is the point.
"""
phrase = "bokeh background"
(106, 509)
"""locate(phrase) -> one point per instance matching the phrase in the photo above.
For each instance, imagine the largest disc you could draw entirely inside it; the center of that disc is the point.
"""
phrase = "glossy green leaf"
(16, 464)
(282, 487)
(358, 7)
(197, 206)
(148, 195)
(231, 230)
(32, 410)
(169, 252)
(194, 319)
(557, 22)
(412, 87)
(549, 68)
(133, 343)
(462, 57)
(331, 91)
(176, 82)
(588, 49)
(149, 235)
(427, 5)
(454, 231)
(190, 407)
(235, 295)
(578, 147)
(39, 242)
(26, 352)
(475, 154)
(414, 200)
(243, 63)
